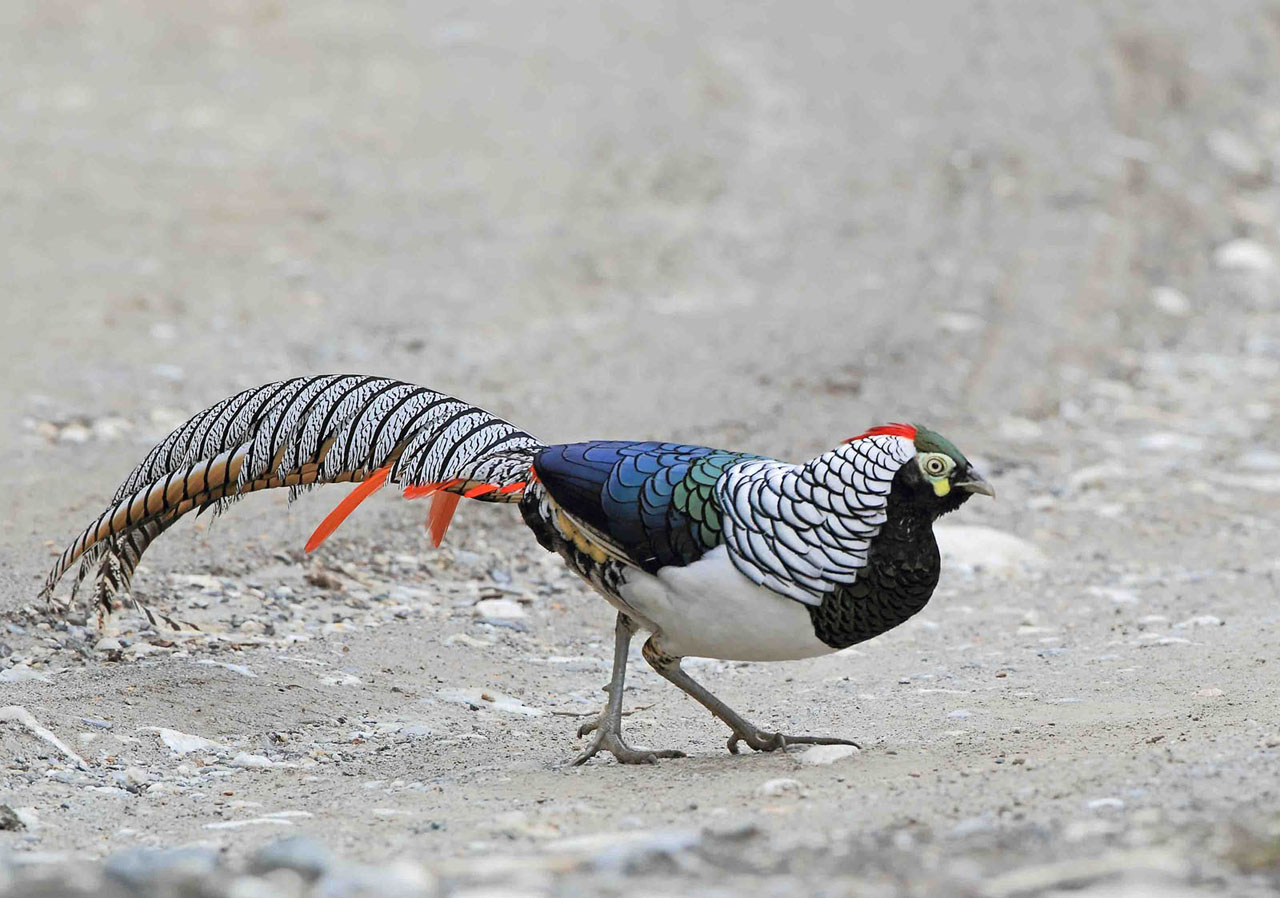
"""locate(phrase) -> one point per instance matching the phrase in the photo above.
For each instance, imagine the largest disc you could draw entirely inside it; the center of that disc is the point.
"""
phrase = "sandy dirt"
(1049, 230)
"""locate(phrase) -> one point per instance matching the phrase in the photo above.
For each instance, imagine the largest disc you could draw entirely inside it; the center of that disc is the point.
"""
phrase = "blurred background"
(1048, 229)
(777, 221)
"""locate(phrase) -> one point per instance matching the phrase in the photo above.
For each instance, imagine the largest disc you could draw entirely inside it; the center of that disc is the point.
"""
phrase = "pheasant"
(714, 553)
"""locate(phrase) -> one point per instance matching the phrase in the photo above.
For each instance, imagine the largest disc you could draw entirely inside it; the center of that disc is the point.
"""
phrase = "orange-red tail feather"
(443, 506)
(367, 488)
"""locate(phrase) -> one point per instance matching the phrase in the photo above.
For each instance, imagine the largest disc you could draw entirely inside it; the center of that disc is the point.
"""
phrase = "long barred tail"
(299, 433)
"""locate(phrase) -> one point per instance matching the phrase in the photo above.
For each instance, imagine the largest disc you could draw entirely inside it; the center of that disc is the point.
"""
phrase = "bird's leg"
(743, 730)
(608, 726)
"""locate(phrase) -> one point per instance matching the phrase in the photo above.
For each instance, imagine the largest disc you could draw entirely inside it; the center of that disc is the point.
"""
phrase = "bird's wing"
(649, 504)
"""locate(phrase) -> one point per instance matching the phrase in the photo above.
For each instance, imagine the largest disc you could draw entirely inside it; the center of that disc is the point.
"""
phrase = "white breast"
(710, 610)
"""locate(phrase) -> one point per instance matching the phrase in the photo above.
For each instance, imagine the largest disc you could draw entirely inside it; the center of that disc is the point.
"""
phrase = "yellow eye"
(935, 466)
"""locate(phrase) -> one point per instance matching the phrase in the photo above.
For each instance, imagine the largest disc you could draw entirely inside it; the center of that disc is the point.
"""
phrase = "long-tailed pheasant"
(716, 554)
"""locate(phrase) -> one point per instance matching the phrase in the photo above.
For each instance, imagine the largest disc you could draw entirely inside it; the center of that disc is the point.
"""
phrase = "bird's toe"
(762, 741)
(623, 753)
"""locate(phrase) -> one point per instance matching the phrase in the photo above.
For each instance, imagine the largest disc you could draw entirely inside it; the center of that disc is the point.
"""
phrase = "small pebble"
(248, 761)
(184, 743)
(136, 776)
(1170, 301)
(1202, 620)
(779, 787)
(1238, 155)
(820, 755)
(1259, 460)
(1244, 256)
(489, 700)
(1101, 804)
(139, 867)
(503, 609)
(22, 675)
(301, 854)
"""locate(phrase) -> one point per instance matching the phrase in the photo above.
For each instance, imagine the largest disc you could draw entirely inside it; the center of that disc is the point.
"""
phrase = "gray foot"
(761, 741)
(607, 740)
(608, 726)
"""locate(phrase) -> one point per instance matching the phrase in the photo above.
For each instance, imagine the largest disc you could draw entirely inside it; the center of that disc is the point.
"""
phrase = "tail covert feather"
(300, 433)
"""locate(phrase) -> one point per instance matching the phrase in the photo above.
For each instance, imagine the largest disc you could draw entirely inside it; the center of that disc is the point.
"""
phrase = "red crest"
(889, 430)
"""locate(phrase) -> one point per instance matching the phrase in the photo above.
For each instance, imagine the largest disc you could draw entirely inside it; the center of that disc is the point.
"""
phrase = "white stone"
(253, 821)
(613, 850)
(234, 668)
(780, 787)
(1173, 303)
(340, 679)
(1171, 441)
(140, 649)
(505, 609)
(107, 644)
(1099, 804)
(1259, 460)
(491, 700)
(23, 717)
(977, 547)
(136, 776)
(1245, 256)
(200, 581)
(1237, 154)
(465, 639)
(167, 372)
(246, 760)
(74, 433)
(1256, 483)
(21, 674)
(821, 755)
(1114, 594)
(185, 743)
(959, 322)
(1203, 620)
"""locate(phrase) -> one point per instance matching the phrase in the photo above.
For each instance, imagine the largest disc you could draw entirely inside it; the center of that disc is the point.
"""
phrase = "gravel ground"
(1048, 230)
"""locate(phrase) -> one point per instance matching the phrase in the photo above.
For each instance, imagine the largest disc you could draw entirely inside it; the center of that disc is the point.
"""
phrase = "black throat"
(901, 572)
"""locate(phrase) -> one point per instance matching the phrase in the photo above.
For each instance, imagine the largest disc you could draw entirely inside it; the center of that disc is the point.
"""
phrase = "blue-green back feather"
(654, 501)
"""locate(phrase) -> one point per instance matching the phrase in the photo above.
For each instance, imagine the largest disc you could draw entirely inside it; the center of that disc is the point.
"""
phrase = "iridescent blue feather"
(652, 500)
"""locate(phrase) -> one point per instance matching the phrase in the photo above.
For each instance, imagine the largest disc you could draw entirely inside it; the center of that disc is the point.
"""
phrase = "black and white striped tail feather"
(297, 433)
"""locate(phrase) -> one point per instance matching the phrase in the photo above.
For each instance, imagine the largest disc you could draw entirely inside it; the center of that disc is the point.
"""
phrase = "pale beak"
(975, 484)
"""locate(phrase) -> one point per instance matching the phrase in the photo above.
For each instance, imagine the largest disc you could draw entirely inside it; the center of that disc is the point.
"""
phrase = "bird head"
(933, 471)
